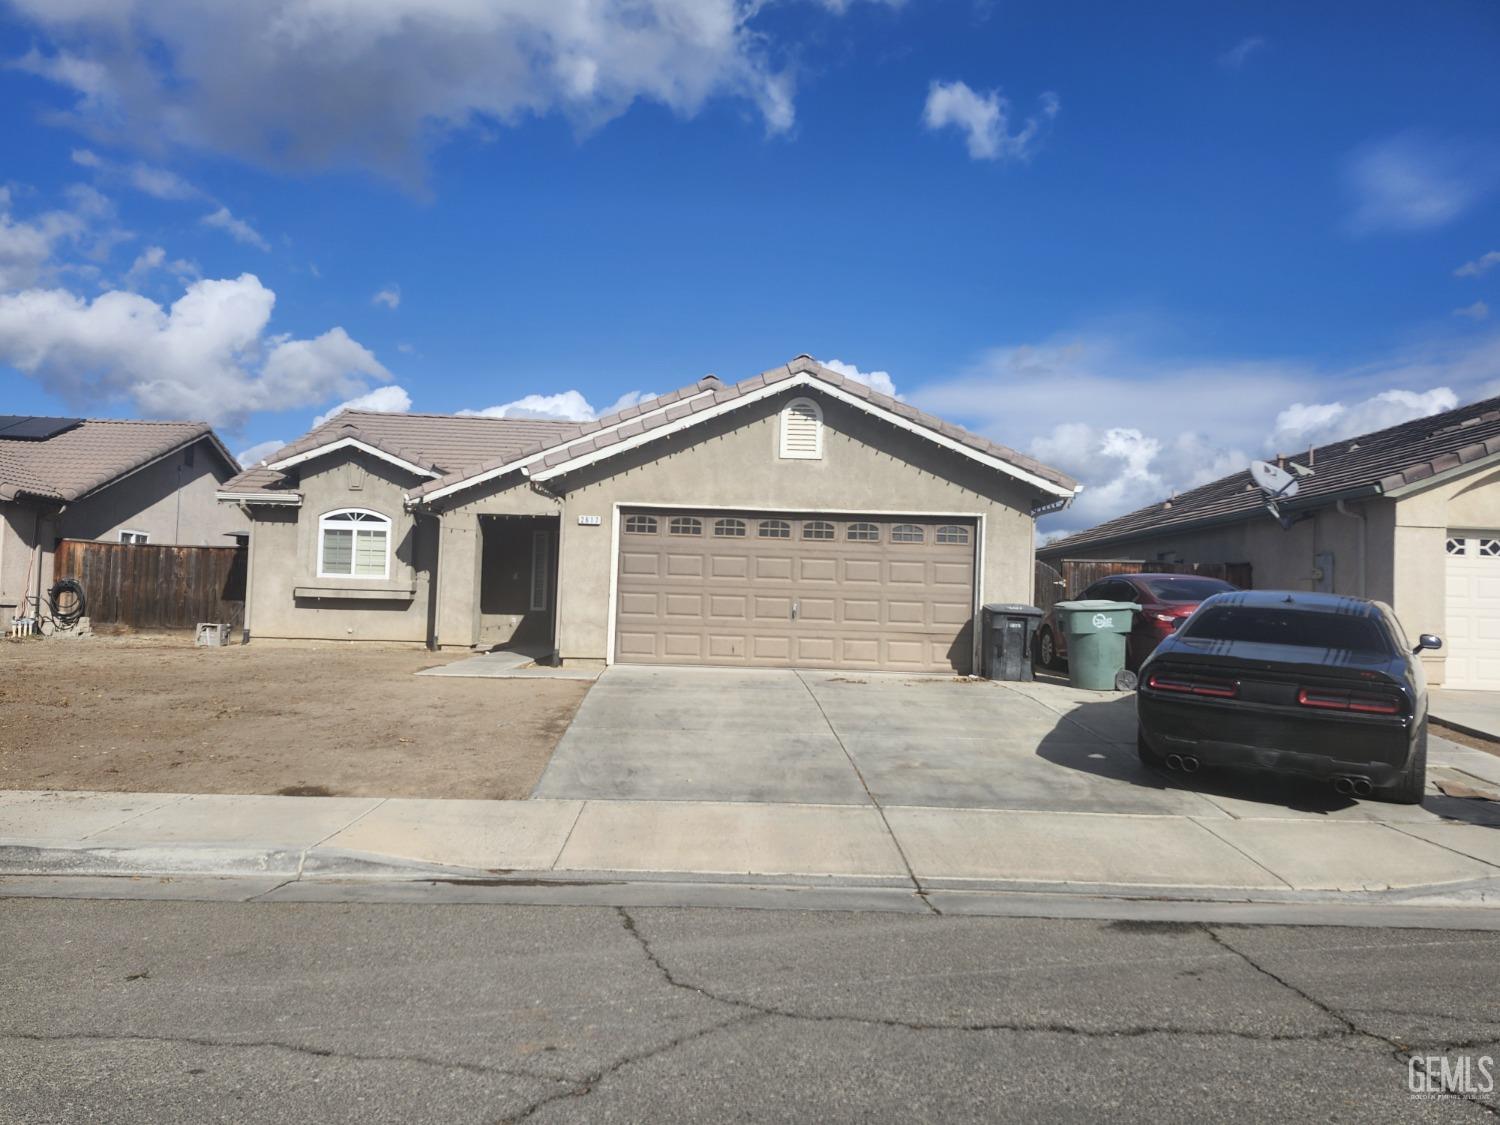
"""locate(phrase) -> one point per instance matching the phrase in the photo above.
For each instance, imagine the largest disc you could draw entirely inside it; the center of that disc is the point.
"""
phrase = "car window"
(1299, 628)
(1186, 589)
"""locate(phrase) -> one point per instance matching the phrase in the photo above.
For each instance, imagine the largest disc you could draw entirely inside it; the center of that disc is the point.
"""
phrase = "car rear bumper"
(1324, 747)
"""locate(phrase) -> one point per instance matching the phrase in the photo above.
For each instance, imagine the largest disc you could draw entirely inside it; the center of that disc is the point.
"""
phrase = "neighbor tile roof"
(1370, 463)
(591, 437)
(90, 455)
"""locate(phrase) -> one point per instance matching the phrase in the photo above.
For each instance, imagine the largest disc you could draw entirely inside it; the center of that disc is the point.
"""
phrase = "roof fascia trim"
(351, 443)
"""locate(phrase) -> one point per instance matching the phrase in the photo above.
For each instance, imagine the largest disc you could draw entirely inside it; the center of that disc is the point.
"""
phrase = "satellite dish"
(1274, 481)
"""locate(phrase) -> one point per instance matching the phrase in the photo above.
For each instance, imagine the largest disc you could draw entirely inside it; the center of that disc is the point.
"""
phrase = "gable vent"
(802, 430)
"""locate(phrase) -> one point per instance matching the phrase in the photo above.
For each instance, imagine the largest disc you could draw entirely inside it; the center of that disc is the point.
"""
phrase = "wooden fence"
(149, 586)
(1071, 576)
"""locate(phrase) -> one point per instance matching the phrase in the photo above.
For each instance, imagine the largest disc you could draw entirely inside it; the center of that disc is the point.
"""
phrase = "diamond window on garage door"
(1456, 546)
(1489, 548)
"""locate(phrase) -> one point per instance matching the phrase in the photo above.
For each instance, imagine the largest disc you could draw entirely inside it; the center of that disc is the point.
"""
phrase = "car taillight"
(1193, 685)
(1325, 700)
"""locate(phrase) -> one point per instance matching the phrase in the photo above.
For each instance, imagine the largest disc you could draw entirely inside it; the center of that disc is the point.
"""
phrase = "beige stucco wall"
(733, 462)
(284, 560)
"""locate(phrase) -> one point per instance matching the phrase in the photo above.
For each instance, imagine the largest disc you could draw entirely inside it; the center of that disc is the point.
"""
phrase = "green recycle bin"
(1096, 640)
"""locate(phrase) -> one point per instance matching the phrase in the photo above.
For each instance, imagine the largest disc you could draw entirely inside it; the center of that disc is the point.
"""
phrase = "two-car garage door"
(780, 590)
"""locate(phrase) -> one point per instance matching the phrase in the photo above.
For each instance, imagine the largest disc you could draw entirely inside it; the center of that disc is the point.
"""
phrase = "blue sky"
(1143, 242)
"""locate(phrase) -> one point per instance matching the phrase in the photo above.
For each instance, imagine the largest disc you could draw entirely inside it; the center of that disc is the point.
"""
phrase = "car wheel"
(1408, 790)
(1046, 650)
(1148, 756)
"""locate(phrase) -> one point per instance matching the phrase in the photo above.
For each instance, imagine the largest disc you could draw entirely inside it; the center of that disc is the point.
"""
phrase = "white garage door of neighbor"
(819, 590)
(1472, 642)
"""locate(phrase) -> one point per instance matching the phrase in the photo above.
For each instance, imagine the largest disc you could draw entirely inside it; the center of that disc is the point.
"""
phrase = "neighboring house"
(1409, 516)
(794, 519)
(115, 481)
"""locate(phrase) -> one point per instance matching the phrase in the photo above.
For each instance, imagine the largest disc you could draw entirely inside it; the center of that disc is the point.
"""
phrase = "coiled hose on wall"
(66, 602)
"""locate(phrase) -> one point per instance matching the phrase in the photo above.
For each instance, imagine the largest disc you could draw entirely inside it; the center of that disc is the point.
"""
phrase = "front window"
(354, 543)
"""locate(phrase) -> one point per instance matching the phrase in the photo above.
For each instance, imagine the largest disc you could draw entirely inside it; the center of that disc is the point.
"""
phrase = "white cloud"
(1141, 426)
(565, 406)
(154, 258)
(390, 297)
(206, 357)
(35, 250)
(1410, 183)
(384, 400)
(160, 183)
(1477, 311)
(984, 119)
(258, 452)
(257, 80)
(237, 229)
(1479, 266)
(1236, 57)
(876, 380)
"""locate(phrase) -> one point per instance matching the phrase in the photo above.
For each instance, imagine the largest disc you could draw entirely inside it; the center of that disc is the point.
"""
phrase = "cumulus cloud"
(1141, 426)
(984, 119)
(206, 357)
(239, 230)
(1479, 266)
(1236, 57)
(383, 400)
(390, 297)
(254, 80)
(1409, 183)
(565, 406)
(154, 258)
(258, 452)
(1477, 311)
(876, 380)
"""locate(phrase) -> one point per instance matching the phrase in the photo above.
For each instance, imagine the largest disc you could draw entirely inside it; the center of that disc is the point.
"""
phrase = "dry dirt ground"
(156, 714)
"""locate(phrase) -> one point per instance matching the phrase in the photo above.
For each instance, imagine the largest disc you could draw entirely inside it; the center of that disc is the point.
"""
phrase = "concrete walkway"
(1271, 859)
(1475, 713)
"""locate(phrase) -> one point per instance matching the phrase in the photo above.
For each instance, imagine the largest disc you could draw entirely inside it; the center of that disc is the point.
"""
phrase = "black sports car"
(1313, 684)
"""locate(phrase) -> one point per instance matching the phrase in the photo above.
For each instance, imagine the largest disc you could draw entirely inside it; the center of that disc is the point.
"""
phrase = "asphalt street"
(130, 1011)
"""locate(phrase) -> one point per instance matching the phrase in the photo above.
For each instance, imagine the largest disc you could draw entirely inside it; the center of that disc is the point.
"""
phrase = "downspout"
(249, 572)
(1343, 509)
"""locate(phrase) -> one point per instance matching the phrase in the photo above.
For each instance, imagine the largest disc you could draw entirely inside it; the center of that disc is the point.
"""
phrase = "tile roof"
(78, 461)
(1372, 463)
(709, 392)
(440, 443)
(463, 449)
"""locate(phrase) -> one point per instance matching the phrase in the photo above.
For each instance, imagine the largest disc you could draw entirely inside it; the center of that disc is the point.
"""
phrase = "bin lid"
(1096, 604)
(1013, 609)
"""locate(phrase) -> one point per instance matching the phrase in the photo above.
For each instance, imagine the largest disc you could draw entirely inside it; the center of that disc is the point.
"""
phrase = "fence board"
(154, 586)
(1071, 576)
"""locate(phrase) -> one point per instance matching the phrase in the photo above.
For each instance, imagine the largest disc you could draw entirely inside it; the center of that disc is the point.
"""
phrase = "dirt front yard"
(139, 714)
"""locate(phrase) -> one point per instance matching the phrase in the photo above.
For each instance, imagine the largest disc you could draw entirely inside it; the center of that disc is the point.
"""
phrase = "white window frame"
(334, 517)
(787, 411)
(137, 538)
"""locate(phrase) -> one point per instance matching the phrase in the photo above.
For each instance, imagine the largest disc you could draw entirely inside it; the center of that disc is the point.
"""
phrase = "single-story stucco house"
(794, 519)
(113, 481)
(1408, 515)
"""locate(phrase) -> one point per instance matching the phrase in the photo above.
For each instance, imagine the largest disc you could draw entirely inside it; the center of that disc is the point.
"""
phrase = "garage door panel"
(865, 603)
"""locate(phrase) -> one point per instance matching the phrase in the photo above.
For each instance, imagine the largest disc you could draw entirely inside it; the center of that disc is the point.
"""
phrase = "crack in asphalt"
(1055, 1028)
(278, 1045)
(1401, 1051)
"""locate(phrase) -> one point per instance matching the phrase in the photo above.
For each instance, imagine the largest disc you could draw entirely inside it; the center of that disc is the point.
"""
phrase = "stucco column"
(459, 554)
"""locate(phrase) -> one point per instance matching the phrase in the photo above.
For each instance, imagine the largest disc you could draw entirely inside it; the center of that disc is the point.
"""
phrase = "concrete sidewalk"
(1288, 858)
(1475, 713)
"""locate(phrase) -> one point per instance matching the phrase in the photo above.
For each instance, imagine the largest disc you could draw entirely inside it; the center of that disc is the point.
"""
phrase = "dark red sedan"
(1166, 601)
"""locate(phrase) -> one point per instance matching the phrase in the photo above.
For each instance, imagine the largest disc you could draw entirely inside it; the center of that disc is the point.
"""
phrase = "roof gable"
(78, 461)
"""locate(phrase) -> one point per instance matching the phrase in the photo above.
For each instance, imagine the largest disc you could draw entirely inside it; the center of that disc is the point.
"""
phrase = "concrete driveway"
(856, 738)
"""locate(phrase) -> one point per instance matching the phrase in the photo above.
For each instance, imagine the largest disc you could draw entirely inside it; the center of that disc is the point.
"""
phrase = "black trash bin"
(1008, 629)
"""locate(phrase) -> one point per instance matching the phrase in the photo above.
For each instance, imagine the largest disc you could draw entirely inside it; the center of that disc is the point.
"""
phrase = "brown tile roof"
(78, 461)
(440, 443)
(1370, 463)
(591, 437)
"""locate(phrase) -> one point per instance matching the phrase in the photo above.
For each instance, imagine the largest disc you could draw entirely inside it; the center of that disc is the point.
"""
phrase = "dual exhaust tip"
(1353, 786)
(1185, 763)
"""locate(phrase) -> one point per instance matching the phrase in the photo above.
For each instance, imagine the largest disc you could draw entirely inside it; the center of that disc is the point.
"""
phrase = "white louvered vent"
(802, 430)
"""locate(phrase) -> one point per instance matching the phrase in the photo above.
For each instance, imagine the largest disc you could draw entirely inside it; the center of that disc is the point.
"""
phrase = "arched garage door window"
(354, 543)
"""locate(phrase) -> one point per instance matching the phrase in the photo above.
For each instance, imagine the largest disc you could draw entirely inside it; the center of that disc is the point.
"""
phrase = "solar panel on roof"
(31, 427)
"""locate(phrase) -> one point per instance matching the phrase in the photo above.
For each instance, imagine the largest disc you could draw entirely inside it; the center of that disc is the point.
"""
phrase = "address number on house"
(589, 521)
